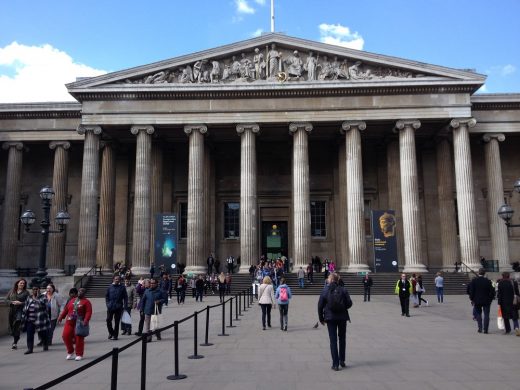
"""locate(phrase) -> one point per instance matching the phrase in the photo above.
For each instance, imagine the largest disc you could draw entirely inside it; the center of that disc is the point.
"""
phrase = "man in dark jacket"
(152, 298)
(116, 300)
(403, 288)
(481, 294)
(333, 310)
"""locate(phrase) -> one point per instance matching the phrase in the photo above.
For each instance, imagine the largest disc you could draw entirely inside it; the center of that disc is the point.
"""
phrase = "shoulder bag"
(155, 319)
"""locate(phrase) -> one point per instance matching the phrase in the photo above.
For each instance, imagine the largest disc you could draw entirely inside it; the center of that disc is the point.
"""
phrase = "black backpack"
(335, 300)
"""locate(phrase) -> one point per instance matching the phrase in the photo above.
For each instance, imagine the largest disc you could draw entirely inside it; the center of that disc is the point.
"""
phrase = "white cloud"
(502, 70)
(482, 89)
(261, 2)
(257, 32)
(243, 7)
(336, 34)
(508, 69)
(38, 73)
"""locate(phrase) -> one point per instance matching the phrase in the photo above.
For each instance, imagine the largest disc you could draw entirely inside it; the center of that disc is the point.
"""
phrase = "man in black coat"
(481, 294)
(403, 288)
(116, 300)
(335, 317)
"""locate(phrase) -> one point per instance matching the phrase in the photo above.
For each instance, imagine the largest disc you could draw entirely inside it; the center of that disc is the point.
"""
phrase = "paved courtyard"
(437, 348)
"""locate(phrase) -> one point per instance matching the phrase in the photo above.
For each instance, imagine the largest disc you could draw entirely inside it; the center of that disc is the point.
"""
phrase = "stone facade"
(401, 135)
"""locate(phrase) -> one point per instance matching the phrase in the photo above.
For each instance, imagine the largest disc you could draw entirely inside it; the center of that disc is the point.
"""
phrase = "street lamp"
(28, 218)
(506, 211)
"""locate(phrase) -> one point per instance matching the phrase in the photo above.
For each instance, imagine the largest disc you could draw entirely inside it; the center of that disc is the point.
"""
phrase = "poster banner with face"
(165, 244)
(385, 241)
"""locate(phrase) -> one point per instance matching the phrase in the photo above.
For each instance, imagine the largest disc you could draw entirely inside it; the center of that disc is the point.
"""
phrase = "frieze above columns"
(255, 128)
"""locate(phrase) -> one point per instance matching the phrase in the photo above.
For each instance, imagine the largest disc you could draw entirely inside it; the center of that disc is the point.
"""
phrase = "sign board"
(165, 245)
(385, 241)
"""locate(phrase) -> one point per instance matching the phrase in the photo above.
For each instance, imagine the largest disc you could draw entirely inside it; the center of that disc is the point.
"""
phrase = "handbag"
(155, 319)
(82, 330)
(126, 318)
(500, 320)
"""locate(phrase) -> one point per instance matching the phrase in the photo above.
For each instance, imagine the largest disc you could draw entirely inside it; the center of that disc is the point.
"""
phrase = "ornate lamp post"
(28, 218)
(506, 211)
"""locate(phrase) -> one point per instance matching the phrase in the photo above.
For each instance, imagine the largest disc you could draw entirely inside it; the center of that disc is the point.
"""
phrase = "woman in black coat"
(507, 288)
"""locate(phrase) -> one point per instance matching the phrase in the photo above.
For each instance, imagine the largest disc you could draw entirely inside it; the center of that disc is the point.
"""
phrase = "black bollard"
(206, 343)
(240, 304)
(231, 314)
(223, 320)
(176, 375)
(115, 363)
(143, 362)
(236, 308)
(195, 354)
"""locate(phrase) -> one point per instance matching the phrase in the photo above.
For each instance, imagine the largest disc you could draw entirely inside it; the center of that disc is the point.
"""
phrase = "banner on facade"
(165, 244)
(385, 241)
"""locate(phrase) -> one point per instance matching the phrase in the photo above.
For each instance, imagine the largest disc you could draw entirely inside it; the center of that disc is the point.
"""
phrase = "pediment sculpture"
(270, 65)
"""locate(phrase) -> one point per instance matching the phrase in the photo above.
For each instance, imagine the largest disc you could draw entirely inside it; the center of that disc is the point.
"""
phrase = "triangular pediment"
(274, 59)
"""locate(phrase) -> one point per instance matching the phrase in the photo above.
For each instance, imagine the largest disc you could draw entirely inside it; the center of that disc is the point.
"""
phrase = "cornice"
(498, 101)
(40, 110)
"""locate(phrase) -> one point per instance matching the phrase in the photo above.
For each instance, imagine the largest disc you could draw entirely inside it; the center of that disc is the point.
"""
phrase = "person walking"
(16, 300)
(481, 294)
(164, 286)
(35, 319)
(419, 287)
(116, 300)
(507, 289)
(199, 288)
(141, 287)
(403, 289)
(180, 289)
(367, 285)
(310, 273)
(333, 308)
(152, 298)
(301, 277)
(78, 308)
(55, 304)
(131, 304)
(283, 295)
(228, 284)
(439, 287)
(266, 300)
(222, 286)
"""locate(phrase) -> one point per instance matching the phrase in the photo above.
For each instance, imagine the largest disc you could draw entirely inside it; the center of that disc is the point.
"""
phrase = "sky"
(45, 44)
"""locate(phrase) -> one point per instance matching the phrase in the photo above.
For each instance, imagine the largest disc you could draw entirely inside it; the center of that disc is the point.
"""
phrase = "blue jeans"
(478, 316)
(440, 294)
(302, 282)
(337, 330)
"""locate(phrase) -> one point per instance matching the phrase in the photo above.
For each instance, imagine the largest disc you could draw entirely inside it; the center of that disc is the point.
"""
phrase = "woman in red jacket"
(78, 308)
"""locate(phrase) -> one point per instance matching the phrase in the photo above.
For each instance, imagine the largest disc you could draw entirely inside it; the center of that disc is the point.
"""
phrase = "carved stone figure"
(326, 71)
(355, 73)
(226, 73)
(245, 67)
(343, 70)
(310, 67)
(273, 60)
(215, 72)
(294, 65)
(157, 78)
(235, 68)
(201, 71)
(259, 63)
(187, 75)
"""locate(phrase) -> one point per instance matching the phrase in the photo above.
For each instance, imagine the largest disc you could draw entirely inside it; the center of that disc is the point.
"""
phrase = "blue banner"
(385, 241)
(165, 244)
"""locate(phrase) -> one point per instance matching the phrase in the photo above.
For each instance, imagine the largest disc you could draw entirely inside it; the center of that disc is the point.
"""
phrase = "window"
(318, 221)
(231, 220)
(183, 219)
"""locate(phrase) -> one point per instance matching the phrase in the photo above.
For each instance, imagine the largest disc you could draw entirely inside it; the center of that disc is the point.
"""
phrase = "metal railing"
(87, 275)
(245, 296)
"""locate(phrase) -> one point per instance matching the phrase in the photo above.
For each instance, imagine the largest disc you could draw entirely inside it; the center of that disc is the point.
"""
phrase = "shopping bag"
(126, 318)
(155, 319)
(500, 320)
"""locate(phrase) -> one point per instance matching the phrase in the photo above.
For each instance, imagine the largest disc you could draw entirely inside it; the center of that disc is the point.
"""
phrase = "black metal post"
(236, 308)
(223, 320)
(195, 327)
(115, 363)
(206, 343)
(176, 375)
(143, 362)
(245, 296)
(231, 314)
(45, 224)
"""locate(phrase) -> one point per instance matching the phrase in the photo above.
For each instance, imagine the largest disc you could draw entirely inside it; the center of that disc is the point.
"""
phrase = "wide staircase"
(384, 284)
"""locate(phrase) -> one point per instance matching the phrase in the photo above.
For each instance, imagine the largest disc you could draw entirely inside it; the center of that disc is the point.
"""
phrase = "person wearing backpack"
(283, 295)
(333, 310)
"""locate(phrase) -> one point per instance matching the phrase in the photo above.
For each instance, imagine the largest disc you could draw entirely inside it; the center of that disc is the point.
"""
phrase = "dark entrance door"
(274, 239)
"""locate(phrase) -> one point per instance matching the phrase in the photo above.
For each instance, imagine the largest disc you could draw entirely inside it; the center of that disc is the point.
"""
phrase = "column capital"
(349, 125)
(82, 129)
(295, 126)
(458, 122)
(8, 145)
(203, 129)
(137, 128)
(242, 127)
(64, 144)
(489, 136)
(405, 123)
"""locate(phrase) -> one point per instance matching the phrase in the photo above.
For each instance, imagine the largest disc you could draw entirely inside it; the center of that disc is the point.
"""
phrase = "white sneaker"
(427, 303)
(78, 358)
(70, 357)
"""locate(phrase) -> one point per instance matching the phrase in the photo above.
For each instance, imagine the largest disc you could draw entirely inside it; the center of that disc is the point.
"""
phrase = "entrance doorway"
(274, 239)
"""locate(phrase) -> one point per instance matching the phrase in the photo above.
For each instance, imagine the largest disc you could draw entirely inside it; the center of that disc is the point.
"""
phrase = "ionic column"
(495, 199)
(355, 199)
(156, 193)
(410, 196)
(469, 251)
(141, 227)
(88, 216)
(195, 256)
(11, 206)
(394, 194)
(248, 197)
(301, 196)
(107, 205)
(60, 179)
(342, 212)
(449, 241)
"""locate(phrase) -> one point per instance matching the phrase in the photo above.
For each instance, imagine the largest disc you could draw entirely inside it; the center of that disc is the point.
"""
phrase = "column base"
(505, 268)
(415, 268)
(8, 272)
(55, 272)
(196, 269)
(244, 269)
(353, 268)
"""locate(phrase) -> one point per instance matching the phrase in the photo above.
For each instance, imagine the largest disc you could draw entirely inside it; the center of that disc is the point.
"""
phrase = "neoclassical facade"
(273, 134)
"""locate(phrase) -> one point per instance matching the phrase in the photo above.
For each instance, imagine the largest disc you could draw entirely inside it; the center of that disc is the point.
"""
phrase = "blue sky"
(47, 43)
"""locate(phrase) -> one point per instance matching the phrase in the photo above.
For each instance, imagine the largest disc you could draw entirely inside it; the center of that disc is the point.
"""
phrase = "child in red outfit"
(77, 308)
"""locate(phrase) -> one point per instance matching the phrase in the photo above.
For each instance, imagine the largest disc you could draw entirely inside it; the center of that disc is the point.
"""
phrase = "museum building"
(274, 136)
